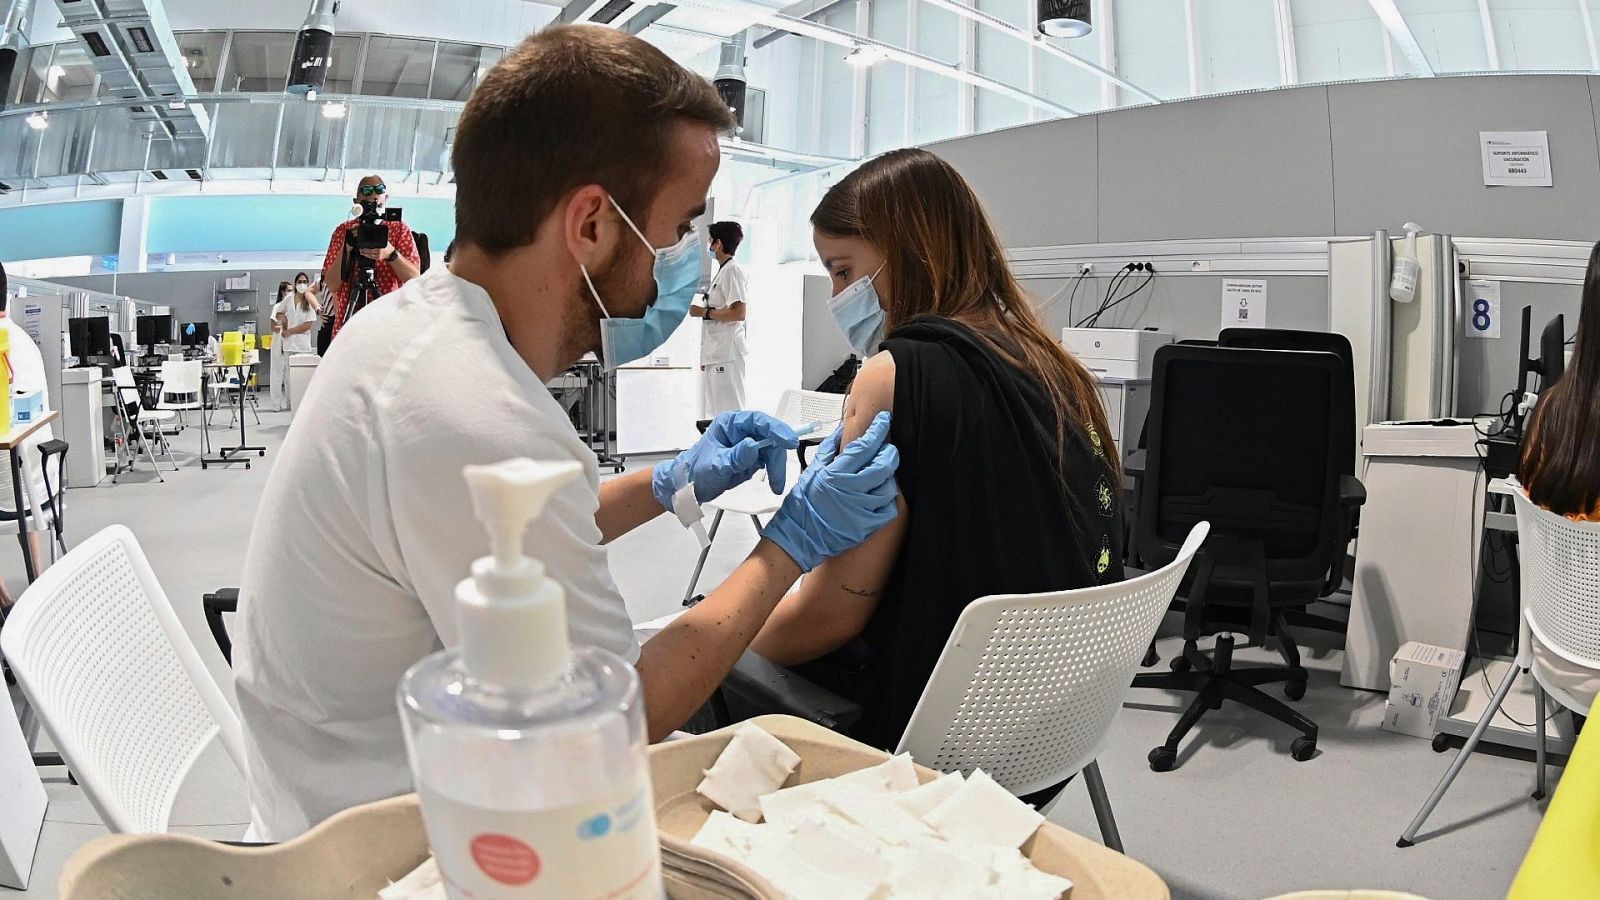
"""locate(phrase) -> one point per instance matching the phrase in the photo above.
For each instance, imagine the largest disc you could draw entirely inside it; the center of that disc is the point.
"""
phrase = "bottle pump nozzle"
(513, 620)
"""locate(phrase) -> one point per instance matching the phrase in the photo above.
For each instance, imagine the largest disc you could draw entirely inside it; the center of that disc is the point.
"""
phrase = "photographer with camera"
(368, 256)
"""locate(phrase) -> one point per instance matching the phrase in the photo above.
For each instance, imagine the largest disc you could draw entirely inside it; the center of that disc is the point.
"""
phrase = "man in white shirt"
(579, 161)
(722, 346)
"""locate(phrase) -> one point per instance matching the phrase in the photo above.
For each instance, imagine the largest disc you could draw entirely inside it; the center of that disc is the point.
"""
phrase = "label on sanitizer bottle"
(603, 849)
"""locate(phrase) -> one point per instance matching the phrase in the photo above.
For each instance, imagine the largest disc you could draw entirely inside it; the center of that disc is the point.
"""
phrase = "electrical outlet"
(1200, 265)
(1086, 269)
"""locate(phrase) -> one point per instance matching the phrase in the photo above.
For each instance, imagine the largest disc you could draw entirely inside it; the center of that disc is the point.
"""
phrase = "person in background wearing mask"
(580, 161)
(294, 318)
(722, 346)
(397, 263)
(27, 374)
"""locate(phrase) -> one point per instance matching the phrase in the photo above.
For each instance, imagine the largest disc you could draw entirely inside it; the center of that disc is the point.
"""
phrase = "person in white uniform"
(722, 341)
(294, 320)
(27, 374)
(580, 161)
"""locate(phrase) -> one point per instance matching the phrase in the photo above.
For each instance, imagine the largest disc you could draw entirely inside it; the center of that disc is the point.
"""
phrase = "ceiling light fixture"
(38, 121)
(333, 109)
(1064, 18)
(863, 56)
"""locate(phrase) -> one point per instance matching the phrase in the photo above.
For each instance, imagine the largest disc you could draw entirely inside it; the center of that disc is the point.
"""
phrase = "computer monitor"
(152, 330)
(89, 336)
(194, 334)
(1549, 365)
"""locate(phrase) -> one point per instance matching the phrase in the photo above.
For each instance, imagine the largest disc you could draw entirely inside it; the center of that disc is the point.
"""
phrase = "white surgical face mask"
(859, 314)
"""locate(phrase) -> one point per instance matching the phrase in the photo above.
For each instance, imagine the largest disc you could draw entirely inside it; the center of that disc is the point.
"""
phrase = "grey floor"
(1237, 819)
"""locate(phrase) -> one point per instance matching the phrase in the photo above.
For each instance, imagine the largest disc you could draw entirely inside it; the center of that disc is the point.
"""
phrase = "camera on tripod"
(370, 232)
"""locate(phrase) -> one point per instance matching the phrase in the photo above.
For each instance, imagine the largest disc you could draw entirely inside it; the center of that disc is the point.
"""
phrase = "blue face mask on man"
(859, 314)
(677, 275)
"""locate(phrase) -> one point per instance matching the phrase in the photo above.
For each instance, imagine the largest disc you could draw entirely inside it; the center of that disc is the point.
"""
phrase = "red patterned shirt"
(388, 281)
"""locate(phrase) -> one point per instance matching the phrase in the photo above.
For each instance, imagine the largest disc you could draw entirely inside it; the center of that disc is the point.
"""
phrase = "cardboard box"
(1422, 682)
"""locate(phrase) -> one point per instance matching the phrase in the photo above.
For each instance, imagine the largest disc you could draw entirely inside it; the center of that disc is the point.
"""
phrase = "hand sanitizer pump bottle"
(529, 756)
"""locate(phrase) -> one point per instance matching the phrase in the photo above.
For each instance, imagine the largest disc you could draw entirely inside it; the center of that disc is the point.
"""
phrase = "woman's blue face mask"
(859, 313)
(677, 275)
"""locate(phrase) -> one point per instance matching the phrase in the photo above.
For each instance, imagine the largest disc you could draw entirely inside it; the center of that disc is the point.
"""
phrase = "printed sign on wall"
(1244, 304)
(1482, 319)
(1516, 158)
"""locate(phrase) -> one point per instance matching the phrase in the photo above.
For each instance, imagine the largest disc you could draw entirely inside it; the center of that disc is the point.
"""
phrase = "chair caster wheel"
(1441, 742)
(1151, 657)
(203, 467)
(1294, 690)
(247, 464)
(1180, 664)
(1537, 795)
(1303, 748)
(261, 453)
(1162, 759)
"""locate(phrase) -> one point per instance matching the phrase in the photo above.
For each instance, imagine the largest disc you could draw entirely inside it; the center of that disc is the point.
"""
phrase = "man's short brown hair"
(571, 105)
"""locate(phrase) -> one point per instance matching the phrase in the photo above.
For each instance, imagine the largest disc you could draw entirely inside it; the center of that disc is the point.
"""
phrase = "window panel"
(397, 67)
(258, 61)
(1450, 32)
(886, 81)
(1338, 40)
(837, 79)
(1072, 86)
(1539, 34)
(71, 76)
(936, 99)
(1152, 46)
(458, 70)
(202, 51)
(342, 59)
(1005, 59)
(33, 68)
(1238, 45)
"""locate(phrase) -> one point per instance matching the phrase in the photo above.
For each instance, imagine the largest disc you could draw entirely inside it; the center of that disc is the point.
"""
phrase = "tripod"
(364, 289)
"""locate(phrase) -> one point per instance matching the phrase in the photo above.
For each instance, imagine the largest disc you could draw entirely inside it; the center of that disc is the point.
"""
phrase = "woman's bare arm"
(832, 605)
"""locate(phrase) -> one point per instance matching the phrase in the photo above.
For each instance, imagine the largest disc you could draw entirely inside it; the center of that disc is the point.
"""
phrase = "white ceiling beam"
(579, 10)
(1588, 33)
(1400, 32)
(1039, 40)
(1288, 60)
(1489, 41)
(762, 15)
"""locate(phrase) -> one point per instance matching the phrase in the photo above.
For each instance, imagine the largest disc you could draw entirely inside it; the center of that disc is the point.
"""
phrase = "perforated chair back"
(798, 408)
(1028, 684)
(114, 679)
(180, 384)
(1560, 591)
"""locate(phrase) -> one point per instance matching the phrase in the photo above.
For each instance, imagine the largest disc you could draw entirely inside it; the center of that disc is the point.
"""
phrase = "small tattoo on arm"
(859, 592)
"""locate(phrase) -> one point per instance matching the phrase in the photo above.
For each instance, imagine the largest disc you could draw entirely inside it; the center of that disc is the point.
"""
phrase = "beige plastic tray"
(1097, 873)
(359, 851)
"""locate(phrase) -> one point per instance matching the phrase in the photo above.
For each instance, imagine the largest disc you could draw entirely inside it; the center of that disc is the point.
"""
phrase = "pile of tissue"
(872, 834)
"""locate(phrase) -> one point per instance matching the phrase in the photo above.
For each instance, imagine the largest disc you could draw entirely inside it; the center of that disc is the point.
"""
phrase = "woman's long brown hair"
(1560, 465)
(944, 258)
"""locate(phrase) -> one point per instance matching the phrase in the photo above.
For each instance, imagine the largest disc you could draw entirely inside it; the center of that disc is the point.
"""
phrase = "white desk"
(83, 426)
(1420, 532)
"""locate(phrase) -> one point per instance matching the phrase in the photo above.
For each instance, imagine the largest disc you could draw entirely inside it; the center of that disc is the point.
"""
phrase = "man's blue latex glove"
(726, 456)
(841, 499)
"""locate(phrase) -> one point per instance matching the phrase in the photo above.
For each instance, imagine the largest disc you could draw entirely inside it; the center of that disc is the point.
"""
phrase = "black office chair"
(1249, 441)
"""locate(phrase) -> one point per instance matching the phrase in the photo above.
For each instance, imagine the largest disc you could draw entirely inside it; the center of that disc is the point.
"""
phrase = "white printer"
(1115, 352)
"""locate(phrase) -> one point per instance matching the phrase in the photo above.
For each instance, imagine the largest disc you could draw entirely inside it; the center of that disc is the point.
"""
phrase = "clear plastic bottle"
(529, 757)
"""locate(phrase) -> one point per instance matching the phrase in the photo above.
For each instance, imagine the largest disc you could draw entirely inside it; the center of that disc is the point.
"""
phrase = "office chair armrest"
(1352, 493)
(222, 600)
(770, 688)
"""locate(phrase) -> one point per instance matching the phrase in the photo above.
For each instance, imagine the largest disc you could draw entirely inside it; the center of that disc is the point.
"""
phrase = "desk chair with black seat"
(1249, 441)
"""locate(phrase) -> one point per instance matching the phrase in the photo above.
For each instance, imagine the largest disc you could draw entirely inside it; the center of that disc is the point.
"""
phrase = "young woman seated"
(1009, 478)
(1560, 466)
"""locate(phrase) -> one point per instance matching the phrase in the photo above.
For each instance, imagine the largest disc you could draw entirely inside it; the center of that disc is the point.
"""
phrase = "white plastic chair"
(755, 498)
(140, 423)
(115, 681)
(1028, 685)
(1561, 611)
(182, 390)
(236, 380)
